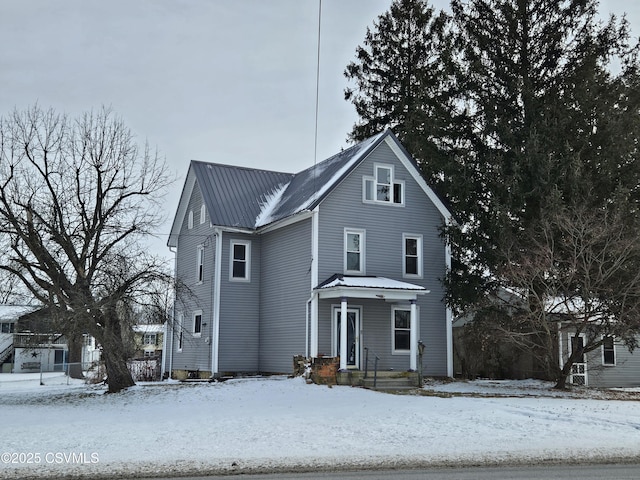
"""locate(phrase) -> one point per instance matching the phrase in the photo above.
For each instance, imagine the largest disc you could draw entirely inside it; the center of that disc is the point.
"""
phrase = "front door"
(353, 335)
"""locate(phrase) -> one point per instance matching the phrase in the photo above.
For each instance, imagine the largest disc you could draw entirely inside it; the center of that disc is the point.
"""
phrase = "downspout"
(216, 302)
(170, 325)
(449, 313)
(313, 333)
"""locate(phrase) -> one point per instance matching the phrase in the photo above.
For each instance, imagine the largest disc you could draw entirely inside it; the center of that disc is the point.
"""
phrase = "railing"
(26, 340)
(6, 346)
(375, 365)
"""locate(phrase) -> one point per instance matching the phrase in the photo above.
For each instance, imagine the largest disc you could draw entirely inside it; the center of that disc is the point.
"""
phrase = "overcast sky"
(215, 80)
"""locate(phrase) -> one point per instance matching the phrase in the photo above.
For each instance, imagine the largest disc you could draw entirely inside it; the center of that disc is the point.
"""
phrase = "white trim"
(183, 205)
(247, 261)
(335, 308)
(295, 218)
(363, 248)
(418, 178)
(420, 255)
(199, 264)
(215, 334)
(449, 315)
(374, 180)
(405, 307)
(615, 353)
(193, 324)
(315, 249)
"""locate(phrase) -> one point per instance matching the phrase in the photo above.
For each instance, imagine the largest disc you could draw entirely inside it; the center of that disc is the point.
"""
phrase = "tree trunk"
(114, 354)
(118, 374)
(75, 356)
(561, 378)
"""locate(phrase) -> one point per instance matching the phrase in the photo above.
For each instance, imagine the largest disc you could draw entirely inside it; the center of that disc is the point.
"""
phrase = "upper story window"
(200, 264)
(382, 187)
(149, 339)
(190, 220)
(240, 257)
(608, 351)
(354, 251)
(412, 255)
(7, 327)
(203, 213)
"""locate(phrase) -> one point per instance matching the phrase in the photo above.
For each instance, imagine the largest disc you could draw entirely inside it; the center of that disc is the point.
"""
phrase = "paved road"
(556, 472)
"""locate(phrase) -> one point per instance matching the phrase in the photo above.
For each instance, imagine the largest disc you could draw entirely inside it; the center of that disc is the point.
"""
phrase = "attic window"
(203, 213)
(383, 187)
(190, 220)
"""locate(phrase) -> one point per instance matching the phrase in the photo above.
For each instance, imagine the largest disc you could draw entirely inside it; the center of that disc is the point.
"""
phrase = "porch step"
(385, 380)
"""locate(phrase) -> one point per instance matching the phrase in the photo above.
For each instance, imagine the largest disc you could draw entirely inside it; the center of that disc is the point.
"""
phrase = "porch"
(382, 325)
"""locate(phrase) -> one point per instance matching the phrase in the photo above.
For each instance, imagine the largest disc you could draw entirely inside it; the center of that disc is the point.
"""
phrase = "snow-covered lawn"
(271, 423)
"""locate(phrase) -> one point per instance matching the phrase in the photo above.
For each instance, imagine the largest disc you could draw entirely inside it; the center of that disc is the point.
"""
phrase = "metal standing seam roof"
(234, 195)
(250, 198)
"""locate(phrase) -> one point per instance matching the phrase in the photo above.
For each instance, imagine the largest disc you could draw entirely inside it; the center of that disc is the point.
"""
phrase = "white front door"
(353, 336)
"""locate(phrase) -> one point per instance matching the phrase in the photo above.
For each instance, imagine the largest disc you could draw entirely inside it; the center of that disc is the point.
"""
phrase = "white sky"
(221, 81)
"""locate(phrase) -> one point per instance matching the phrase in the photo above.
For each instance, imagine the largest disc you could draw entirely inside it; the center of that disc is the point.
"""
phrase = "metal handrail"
(375, 366)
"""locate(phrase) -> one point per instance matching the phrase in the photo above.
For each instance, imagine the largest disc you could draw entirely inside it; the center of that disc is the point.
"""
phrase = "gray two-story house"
(269, 264)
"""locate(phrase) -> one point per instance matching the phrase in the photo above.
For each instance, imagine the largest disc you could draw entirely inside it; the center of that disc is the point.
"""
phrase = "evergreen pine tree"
(402, 77)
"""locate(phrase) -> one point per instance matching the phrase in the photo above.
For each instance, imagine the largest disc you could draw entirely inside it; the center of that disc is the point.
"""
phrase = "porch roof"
(369, 287)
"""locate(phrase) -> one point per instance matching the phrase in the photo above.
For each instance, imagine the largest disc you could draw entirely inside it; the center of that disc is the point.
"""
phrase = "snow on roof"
(309, 186)
(368, 282)
(356, 156)
(13, 312)
(271, 200)
(151, 328)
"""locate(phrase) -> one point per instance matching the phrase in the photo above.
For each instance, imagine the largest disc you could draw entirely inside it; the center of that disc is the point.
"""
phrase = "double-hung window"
(200, 264)
(401, 330)
(197, 323)
(608, 351)
(354, 252)
(382, 187)
(149, 339)
(412, 255)
(240, 260)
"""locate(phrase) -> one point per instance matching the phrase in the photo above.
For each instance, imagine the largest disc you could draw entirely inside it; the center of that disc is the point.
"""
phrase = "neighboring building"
(611, 365)
(28, 343)
(148, 340)
(269, 263)
(482, 352)
(9, 315)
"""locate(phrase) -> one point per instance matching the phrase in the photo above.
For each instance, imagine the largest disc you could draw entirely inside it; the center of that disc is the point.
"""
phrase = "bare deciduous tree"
(76, 199)
(578, 272)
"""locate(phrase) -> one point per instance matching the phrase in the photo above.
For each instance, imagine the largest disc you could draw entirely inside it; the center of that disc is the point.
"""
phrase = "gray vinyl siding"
(239, 310)
(375, 334)
(286, 287)
(384, 226)
(625, 372)
(194, 295)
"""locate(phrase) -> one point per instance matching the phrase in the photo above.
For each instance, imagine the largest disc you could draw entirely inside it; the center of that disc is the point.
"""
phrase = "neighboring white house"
(24, 351)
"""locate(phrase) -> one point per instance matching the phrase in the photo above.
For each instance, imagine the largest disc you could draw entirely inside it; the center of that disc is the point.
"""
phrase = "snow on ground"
(266, 424)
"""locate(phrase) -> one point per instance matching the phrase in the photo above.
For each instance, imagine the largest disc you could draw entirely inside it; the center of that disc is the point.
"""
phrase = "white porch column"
(313, 334)
(343, 333)
(413, 338)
